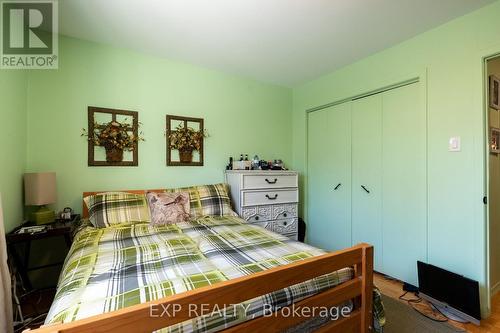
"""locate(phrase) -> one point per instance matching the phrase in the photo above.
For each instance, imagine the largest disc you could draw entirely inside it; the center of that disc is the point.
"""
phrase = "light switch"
(454, 143)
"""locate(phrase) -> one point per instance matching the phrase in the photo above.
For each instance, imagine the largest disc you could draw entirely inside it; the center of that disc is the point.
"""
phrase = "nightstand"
(60, 228)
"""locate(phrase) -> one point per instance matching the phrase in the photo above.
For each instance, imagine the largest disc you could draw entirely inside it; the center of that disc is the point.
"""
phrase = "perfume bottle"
(255, 162)
(230, 165)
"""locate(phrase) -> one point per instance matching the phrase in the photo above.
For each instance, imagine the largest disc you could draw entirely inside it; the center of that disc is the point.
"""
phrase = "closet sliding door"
(329, 177)
(367, 178)
(404, 181)
(367, 174)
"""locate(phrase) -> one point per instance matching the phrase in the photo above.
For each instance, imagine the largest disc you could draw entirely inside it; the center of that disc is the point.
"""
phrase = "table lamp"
(40, 190)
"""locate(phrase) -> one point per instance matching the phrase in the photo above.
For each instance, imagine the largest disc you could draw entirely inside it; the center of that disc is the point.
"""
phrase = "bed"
(210, 274)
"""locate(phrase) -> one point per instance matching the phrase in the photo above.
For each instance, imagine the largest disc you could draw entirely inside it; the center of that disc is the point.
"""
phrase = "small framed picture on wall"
(494, 92)
(494, 140)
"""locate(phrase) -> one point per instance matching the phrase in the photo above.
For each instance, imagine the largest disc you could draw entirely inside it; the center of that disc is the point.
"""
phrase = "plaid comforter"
(111, 268)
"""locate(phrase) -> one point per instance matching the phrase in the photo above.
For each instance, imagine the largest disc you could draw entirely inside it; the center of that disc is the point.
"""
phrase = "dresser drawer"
(255, 198)
(293, 236)
(269, 212)
(286, 226)
(269, 181)
(266, 225)
(257, 213)
(284, 211)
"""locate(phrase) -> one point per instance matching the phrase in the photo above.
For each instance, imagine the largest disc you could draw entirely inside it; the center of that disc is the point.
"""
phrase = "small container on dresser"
(267, 198)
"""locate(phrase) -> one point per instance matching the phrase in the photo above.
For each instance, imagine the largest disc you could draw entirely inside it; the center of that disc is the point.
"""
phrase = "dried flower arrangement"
(186, 139)
(115, 137)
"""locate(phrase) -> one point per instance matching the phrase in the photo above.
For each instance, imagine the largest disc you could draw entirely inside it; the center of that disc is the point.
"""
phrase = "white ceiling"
(280, 41)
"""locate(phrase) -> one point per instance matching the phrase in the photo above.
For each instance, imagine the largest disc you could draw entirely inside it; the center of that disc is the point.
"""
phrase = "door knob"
(336, 187)
(364, 188)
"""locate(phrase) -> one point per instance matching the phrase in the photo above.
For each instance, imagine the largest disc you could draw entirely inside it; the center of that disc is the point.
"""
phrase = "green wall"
(449, 59)
(13, 85)
(241, 115)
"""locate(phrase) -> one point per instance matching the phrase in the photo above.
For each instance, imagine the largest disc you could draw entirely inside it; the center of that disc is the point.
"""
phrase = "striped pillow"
(208, 200)
(112, 208)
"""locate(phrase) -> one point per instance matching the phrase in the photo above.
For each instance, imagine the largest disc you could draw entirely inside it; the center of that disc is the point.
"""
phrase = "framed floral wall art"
(185, 139)
(113, 137)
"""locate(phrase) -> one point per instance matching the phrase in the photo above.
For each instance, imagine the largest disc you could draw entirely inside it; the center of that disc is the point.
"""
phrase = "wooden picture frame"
(494, 140)
(171, 160)
(114, 113)
(494, 92)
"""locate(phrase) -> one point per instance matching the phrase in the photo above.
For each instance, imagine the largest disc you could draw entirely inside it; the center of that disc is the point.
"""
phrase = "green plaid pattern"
(378, 311)
(208, 200)
(114, 208)
(111, 268)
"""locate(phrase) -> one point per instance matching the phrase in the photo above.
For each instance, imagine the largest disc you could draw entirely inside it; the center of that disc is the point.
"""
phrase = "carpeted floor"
(403, 319)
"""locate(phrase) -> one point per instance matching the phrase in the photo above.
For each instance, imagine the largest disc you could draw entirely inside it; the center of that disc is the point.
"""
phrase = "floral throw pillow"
(208, 200)
(168, 208)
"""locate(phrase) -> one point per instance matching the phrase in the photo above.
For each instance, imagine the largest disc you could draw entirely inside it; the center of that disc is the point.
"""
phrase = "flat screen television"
(456, 296)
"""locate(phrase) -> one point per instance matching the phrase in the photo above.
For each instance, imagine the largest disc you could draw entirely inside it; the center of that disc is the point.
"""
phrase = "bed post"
(367, 289)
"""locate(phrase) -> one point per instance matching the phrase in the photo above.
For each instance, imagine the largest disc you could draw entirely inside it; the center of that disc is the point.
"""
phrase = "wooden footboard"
(138, 318)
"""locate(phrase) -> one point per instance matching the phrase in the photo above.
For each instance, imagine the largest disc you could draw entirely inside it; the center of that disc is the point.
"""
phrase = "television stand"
(448, 311)
(444, 310)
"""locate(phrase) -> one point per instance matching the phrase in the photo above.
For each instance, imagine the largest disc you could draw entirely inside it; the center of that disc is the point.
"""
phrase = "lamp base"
(43, 216)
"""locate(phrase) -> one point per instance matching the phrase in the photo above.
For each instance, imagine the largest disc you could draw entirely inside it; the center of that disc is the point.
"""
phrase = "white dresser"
(266, 198)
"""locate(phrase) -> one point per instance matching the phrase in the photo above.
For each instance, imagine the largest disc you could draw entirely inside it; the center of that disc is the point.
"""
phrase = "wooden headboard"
(85, 211)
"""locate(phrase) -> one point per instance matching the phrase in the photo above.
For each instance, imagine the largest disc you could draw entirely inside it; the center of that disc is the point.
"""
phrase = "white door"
(404, 182)
(329, 177)
(367, 174)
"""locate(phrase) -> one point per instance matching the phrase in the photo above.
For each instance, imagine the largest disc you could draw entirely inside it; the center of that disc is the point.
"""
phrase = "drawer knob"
(284, 214)
(256, 218)
(272, 181)
(285, 223)
(272, 198)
